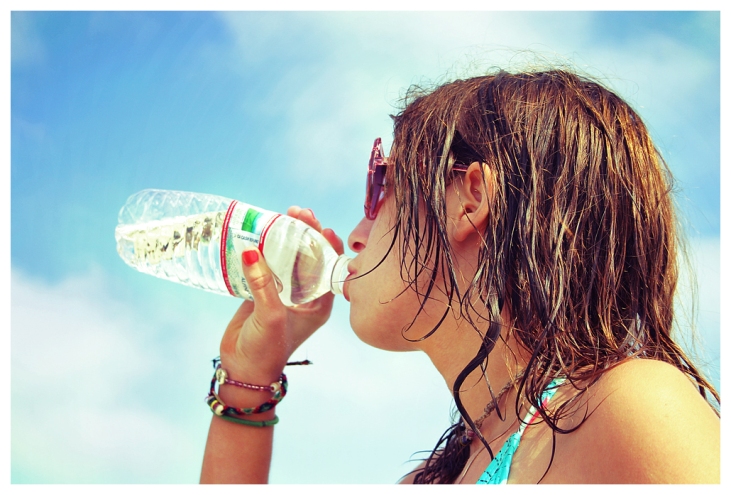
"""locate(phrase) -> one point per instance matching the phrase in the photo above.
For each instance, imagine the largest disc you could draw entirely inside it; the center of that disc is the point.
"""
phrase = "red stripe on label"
(224, 238)
(266, 231)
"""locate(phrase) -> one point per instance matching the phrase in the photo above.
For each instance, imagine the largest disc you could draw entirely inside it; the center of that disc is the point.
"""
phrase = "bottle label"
(244, 226)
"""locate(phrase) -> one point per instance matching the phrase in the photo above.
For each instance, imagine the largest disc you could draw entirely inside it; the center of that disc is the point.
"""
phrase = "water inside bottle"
(181, 249)
(303, 252)
(307, 276)
(187, 250)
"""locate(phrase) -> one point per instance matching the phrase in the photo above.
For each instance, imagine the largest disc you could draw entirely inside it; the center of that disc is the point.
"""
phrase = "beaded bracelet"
(220, 408)
(222, 378)
(279, 390)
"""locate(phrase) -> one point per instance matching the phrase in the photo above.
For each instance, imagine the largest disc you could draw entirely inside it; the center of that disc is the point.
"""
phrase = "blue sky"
(272, 108)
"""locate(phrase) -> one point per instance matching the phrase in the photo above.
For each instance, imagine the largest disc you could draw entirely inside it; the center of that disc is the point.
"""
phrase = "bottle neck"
(339, 274)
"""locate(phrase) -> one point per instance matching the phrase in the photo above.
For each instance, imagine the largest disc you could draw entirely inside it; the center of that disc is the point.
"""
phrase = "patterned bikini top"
(498, 470)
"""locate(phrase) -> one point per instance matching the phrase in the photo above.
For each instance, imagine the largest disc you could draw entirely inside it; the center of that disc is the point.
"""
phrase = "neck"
(453, 346)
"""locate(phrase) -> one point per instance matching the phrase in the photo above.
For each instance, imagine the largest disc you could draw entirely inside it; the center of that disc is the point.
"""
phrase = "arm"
(255, 347)
(236, 453)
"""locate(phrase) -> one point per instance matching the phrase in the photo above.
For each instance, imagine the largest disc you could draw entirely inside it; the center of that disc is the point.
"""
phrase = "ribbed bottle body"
(197, 239)
(174, 235)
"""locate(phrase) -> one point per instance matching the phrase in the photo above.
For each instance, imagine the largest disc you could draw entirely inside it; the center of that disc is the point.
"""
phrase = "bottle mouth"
(339, 274)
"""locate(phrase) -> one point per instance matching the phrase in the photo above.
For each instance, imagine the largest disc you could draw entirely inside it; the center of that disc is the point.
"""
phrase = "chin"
(375, 334)
(362, 330)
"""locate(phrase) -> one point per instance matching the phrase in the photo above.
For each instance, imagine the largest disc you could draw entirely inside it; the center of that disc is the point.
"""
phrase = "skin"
(257, 343)
(647, 425)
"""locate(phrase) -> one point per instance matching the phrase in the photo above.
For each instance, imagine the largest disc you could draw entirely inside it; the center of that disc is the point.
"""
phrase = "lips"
(346, 286)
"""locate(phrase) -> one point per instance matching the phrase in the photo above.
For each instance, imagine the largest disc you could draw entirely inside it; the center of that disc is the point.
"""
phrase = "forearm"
(254, 350)
(237, 453)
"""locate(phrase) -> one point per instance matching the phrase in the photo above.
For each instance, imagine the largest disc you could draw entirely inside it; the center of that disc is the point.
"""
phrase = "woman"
(524, 240)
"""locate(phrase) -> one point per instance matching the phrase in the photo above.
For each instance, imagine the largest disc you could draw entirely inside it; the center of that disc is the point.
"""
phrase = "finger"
(268, 308)
(308, 216)
(305, 215)
(335, 241)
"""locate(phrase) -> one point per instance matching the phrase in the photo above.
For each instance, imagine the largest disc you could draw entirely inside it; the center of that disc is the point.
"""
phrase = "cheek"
(382, 308)
(381, 303)
(378, 314)
(381, 326)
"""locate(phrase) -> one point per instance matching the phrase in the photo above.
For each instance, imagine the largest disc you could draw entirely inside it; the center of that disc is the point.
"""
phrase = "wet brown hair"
(581, 242)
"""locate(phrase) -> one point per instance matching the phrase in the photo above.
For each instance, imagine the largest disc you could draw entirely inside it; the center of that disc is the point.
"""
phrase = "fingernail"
(250, 257)
(312, 213)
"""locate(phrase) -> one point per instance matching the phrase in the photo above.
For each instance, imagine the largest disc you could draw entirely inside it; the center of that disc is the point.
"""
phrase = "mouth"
(346, 285)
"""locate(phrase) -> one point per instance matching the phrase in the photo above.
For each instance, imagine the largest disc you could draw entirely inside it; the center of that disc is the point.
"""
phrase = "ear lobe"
(473, 193)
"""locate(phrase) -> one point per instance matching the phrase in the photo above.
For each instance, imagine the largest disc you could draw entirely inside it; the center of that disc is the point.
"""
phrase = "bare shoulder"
(647, 423)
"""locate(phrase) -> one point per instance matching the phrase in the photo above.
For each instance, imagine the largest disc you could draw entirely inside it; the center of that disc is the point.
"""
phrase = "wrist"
(257, 373)
(243, 398)
(230, 398)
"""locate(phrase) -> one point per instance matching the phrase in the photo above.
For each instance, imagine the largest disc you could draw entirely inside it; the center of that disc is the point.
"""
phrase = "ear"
(471, 206)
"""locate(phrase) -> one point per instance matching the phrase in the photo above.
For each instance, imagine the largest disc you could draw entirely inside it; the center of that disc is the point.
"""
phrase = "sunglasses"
(377, 177)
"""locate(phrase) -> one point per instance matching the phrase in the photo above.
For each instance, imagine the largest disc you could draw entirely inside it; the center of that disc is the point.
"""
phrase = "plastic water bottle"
(197, 240)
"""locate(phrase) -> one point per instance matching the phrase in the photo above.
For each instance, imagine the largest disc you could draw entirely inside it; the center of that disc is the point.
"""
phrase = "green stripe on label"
(250, 219)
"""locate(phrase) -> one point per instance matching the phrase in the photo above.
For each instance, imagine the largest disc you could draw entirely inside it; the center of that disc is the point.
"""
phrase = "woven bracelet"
(258, 424)
(221, 409)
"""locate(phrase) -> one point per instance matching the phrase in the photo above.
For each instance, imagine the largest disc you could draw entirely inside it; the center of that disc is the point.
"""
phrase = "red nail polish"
(251, 257)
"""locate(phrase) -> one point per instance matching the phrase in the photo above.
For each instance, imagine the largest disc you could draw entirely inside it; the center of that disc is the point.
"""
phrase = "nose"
(358, 238)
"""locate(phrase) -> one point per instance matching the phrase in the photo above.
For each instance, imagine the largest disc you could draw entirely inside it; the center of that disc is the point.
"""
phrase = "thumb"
(268, 308)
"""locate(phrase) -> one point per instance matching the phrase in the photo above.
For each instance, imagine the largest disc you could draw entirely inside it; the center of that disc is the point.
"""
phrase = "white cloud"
(357, 67)
(84, 378)
(103, 392)
(98, 396)
(657, 74)
(359, 63)
(101, 388)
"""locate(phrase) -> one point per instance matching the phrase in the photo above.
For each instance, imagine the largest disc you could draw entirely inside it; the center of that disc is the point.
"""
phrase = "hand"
(264, 333)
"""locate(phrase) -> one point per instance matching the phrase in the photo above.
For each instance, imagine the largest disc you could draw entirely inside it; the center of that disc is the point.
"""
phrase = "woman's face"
(381, 303)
